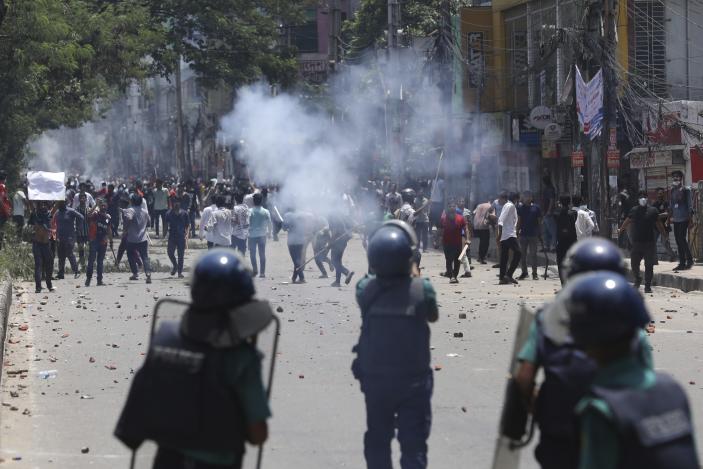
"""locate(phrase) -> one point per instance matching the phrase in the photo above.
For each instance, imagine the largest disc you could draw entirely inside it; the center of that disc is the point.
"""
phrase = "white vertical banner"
(589, 104)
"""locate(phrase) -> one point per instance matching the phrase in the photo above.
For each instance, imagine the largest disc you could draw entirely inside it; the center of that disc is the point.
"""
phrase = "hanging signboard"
(549, 149)
(577, 159)
(475, 59)
(613, 158)
(540, 117)
(552, 131)
(653, 159)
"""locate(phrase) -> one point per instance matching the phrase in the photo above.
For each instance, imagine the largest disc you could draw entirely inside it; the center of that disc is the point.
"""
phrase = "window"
(649, 56)
(305, 36)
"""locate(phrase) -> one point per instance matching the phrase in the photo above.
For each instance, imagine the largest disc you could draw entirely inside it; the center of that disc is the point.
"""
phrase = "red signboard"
(613, 158)
(577, 159)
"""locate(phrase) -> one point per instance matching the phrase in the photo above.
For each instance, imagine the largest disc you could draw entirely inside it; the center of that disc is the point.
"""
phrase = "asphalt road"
(96, 337)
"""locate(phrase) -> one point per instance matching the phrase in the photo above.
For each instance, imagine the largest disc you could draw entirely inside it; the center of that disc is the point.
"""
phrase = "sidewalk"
(665, 276)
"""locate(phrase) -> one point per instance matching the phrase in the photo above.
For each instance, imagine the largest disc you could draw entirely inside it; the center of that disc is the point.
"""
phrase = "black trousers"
(336, 253)
(451, 258)
(648, 252)
(506, 246)
(65, 250)
(484, 237)
(296, 255)
(170, 459)
(176, 246)
(43, 263)
(680, 232)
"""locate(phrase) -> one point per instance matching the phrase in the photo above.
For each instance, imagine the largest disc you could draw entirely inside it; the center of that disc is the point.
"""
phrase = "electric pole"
(394, 93)
(335, 19)
(180, 137)
(609, 115)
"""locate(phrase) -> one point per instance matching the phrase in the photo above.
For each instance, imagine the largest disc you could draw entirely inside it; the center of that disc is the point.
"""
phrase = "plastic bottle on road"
(47, 374)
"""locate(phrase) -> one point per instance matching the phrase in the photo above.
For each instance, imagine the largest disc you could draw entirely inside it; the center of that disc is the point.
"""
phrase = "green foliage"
(58, 57)
(420, 18)
(227, 41)
(15, 256)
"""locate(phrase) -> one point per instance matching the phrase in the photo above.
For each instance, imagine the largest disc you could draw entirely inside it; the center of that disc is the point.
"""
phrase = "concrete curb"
(678, 281)
(5, 303)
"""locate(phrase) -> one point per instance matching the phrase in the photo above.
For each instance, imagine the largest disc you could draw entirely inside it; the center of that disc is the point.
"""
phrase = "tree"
(227, 41)
(420, 18)
(58, 58)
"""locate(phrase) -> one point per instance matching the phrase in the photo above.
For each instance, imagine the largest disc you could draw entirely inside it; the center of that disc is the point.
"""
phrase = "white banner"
(43, 185)
(589, 103)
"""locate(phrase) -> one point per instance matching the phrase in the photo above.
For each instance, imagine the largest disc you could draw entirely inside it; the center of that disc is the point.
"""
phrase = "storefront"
(655, 165)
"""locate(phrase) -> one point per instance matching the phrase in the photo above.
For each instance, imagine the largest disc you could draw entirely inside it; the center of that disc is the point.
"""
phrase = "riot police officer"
(393, 362)
(632, 416)
(567, 370)
(199, 394)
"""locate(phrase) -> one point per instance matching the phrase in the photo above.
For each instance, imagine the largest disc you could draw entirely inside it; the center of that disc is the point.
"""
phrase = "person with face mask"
(644, 220)
(680, 216)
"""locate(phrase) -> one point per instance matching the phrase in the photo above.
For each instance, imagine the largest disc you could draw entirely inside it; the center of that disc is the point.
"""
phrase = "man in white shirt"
(204, 220)
(160, 206)
(585, 224)
(507, 233)
(89, 200)
(219, 224)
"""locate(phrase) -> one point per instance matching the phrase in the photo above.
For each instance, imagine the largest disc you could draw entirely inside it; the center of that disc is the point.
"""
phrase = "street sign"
(613, 158)
(651, 159)
(552, 131)
(577, 159)
(540, 117)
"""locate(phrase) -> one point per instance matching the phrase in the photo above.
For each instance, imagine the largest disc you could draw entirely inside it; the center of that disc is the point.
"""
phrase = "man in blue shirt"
(530, 216)
(177, 223)
(66, 219)
(681, 205)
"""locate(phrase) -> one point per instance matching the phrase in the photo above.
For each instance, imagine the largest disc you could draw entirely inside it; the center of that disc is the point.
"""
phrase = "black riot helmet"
(391, 249)
(408, 195)
(593, 254)
(220, 281)
(603, 309)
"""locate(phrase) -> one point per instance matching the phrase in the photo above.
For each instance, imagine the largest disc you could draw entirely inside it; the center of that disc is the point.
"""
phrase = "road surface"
(96, 337)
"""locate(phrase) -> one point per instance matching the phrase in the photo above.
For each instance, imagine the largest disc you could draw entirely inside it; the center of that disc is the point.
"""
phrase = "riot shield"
(169, 313)
(514, 415)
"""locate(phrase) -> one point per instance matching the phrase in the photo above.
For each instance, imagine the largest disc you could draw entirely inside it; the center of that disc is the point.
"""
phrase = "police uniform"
(199, 395)
(568, 375)
(393, 366)
(635, 418)
(632, 417)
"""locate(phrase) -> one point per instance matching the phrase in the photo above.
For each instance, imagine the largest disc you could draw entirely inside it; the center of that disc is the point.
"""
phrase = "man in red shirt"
(453, 239)
(5, 206)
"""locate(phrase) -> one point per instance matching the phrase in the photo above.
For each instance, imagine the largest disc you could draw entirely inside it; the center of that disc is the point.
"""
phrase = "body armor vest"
(654, 425)
(568, 373)
(395, 335)
(179, 399)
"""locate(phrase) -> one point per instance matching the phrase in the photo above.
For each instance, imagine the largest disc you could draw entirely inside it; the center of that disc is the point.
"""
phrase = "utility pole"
(394, 93)
(180, 137)
(609, 115)
(393, 27)
(335, 19)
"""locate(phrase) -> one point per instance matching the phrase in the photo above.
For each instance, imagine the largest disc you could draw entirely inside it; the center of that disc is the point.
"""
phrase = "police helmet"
(603, 309)
(391, 249)
(408, 195)
(593, 254)
(220, 280)
(135, 199)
